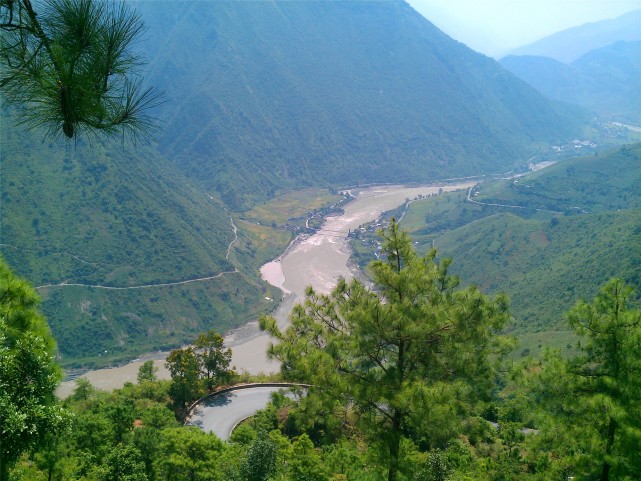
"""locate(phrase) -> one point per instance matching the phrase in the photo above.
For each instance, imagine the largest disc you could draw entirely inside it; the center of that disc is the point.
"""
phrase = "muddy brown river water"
(318, 260)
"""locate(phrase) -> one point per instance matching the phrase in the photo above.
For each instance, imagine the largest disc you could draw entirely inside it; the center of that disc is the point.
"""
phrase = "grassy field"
(291, 208)
(259, 243)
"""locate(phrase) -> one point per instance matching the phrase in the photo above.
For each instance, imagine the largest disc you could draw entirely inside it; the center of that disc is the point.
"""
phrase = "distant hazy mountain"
(606, 80)
(266, 96)
(568, 45)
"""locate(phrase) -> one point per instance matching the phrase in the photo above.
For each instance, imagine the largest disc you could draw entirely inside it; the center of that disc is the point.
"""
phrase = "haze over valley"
(303, 163)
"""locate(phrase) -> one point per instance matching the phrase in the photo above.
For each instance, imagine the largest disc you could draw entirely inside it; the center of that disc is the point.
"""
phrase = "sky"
(494, 27)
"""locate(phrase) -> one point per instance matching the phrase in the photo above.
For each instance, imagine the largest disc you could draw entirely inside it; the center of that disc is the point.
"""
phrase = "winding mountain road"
(149, 286)
(221, 413)
(142, 286)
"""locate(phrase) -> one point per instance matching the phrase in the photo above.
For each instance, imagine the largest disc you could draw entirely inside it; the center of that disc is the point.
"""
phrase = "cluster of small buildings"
(574, 145)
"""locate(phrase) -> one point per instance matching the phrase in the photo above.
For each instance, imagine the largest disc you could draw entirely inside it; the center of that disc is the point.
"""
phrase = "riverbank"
(317, 260)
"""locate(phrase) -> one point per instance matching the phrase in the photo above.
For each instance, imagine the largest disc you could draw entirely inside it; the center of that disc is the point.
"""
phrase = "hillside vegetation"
(111, 216)
(544, 261)
(424, 395)
(285, 95)
(410, 376)
(138, 248)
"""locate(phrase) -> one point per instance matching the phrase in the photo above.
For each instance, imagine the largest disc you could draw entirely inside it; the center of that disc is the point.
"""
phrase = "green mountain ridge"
(284, 95)
(108, 215)
(545, 262)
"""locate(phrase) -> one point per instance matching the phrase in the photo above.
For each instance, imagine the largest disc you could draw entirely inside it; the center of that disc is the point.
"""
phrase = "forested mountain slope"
(261, 98)
(265, 96)
(113, 216)
(546, 266)
(544, 261)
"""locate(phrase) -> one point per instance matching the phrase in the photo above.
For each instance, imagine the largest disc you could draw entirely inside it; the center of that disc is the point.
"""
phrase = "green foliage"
(438, 468)
(107, 216)
(243, 434)
(198, 369)
(122, 415)
(93, 433)
(28, 373)
(306, 463)
(606, 181)
(545, 267)
(186, 383)
(147, 441)
(147, 372)
(123, 464)
(481, 451)
(291, 207)
(114, 435)
(70, 64)
(261, 459)
(213, 358)
(83, 390)
(593, 397)
(188, 454)
(402, 355)
(49, 455)
(427, 99)
(543, 261)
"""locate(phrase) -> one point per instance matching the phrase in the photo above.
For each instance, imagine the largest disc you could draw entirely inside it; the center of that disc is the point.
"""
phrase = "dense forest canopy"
(389, 403)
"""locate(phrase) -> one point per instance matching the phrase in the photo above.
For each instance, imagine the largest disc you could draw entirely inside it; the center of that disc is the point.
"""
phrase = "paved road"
(220, 415)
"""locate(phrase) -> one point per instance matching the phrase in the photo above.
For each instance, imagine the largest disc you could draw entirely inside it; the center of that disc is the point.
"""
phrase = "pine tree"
(398, 354)
(71, 68)
(593, 398)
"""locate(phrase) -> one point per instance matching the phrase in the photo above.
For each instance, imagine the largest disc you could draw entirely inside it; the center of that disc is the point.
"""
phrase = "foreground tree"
(594, 398)
(71, 68)
(147, 372)
(214, 358)
(28, 373)
(199, 368)
(398, 355)
(184, 368)
(189, 454)
(124, 463)
(261, 459)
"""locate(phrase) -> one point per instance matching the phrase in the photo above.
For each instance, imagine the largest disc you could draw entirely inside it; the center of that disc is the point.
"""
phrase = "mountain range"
(605, 80)
(262, 98)
(280, 95)
(596, 66)
(568, 45)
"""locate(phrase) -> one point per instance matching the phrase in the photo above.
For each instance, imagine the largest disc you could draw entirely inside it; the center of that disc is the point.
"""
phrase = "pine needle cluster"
(71, 69)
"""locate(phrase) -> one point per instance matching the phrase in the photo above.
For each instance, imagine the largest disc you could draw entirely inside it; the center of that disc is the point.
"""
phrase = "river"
(318, 260)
